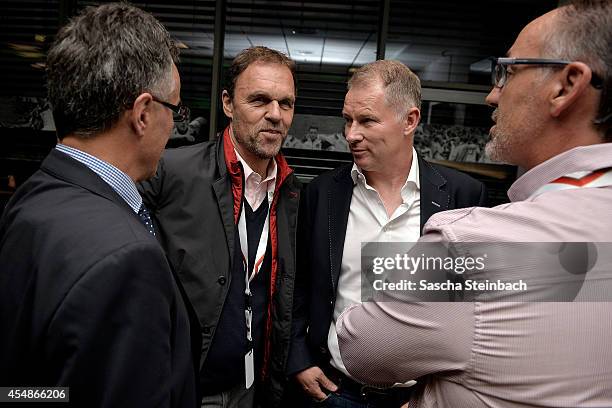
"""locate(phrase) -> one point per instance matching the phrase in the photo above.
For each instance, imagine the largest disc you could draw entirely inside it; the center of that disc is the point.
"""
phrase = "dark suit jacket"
(87, 298)
(192, 200)
(324, 211)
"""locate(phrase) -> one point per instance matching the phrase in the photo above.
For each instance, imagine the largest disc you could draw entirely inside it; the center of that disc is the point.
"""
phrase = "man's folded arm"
(383, 343)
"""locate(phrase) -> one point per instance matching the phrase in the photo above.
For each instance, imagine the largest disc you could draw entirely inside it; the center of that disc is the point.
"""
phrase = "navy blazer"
(323, 218)
(87, 298)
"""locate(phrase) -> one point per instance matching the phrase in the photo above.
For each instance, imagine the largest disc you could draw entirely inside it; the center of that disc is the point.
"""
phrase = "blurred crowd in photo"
(432, 141)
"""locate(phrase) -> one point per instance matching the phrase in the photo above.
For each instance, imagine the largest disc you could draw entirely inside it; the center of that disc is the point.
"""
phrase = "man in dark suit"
(87, 298)
(387, 194)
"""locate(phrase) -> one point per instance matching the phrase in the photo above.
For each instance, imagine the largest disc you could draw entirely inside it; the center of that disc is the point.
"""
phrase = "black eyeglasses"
(180, 112)
(499, 71)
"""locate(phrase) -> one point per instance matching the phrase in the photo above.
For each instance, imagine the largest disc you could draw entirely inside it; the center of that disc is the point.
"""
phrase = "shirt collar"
(118, 180)
(249, 172)
(411, 181)
(581, 158)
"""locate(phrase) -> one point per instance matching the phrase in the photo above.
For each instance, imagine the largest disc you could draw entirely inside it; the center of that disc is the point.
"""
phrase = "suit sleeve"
(111, 338)
(483, 197)
(382, 343)
(299, 355)
(472, 193)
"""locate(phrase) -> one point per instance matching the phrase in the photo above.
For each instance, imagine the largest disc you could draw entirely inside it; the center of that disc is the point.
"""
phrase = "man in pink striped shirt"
(552, 117)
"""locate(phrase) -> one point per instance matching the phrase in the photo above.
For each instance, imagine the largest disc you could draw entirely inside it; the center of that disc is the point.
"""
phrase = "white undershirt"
(368, 222)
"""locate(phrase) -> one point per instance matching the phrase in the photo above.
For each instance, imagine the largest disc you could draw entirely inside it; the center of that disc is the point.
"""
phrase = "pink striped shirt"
(501, 354)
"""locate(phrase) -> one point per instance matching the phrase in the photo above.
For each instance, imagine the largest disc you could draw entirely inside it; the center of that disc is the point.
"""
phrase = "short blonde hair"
(402, 86)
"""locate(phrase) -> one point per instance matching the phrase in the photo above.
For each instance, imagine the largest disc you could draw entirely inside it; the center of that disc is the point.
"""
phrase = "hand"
(313, 381)
(405, 405)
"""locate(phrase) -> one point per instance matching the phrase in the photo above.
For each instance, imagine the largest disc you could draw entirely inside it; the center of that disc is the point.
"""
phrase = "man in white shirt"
(387, 194)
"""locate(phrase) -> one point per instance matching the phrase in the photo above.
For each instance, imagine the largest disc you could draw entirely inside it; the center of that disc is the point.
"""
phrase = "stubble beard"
(512, 141)
(496, 147)
(253, 143)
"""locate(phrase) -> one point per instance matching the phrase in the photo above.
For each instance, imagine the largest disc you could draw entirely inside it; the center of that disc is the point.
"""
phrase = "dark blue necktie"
(145, 217)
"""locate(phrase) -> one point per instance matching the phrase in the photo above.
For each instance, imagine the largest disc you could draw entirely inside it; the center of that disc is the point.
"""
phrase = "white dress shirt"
(368, 222)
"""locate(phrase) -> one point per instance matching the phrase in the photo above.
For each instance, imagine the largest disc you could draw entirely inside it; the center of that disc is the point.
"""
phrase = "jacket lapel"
(339, 201)
(225, 201)
(434, 196)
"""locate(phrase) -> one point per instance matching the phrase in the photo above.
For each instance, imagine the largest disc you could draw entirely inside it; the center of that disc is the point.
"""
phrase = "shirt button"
(222, 280)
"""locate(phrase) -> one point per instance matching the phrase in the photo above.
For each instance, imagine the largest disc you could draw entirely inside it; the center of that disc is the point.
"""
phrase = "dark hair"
(101, 61)
(259, 54)
(583, 32)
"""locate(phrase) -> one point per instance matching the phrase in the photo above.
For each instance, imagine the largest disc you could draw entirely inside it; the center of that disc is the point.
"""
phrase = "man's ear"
(228, 107)
(411, 120)
(140, 115)
(569, 87)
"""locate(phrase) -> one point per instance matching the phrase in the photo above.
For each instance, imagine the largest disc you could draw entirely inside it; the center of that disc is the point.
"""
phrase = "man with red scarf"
(226, 215)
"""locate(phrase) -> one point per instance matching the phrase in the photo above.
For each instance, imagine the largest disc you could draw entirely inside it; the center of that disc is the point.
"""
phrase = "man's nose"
(493, 97)
(273, 114)
(352, 133)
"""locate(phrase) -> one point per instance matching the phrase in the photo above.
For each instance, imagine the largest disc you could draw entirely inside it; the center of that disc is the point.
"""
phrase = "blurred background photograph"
(448, 44)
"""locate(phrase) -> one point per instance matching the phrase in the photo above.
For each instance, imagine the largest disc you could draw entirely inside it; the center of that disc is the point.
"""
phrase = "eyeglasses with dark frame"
(499, 70)
(180, 112)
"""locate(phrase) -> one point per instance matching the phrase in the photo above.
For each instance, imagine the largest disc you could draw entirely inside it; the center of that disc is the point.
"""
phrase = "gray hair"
(583, 32)
(402, 86)
(101, 61)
